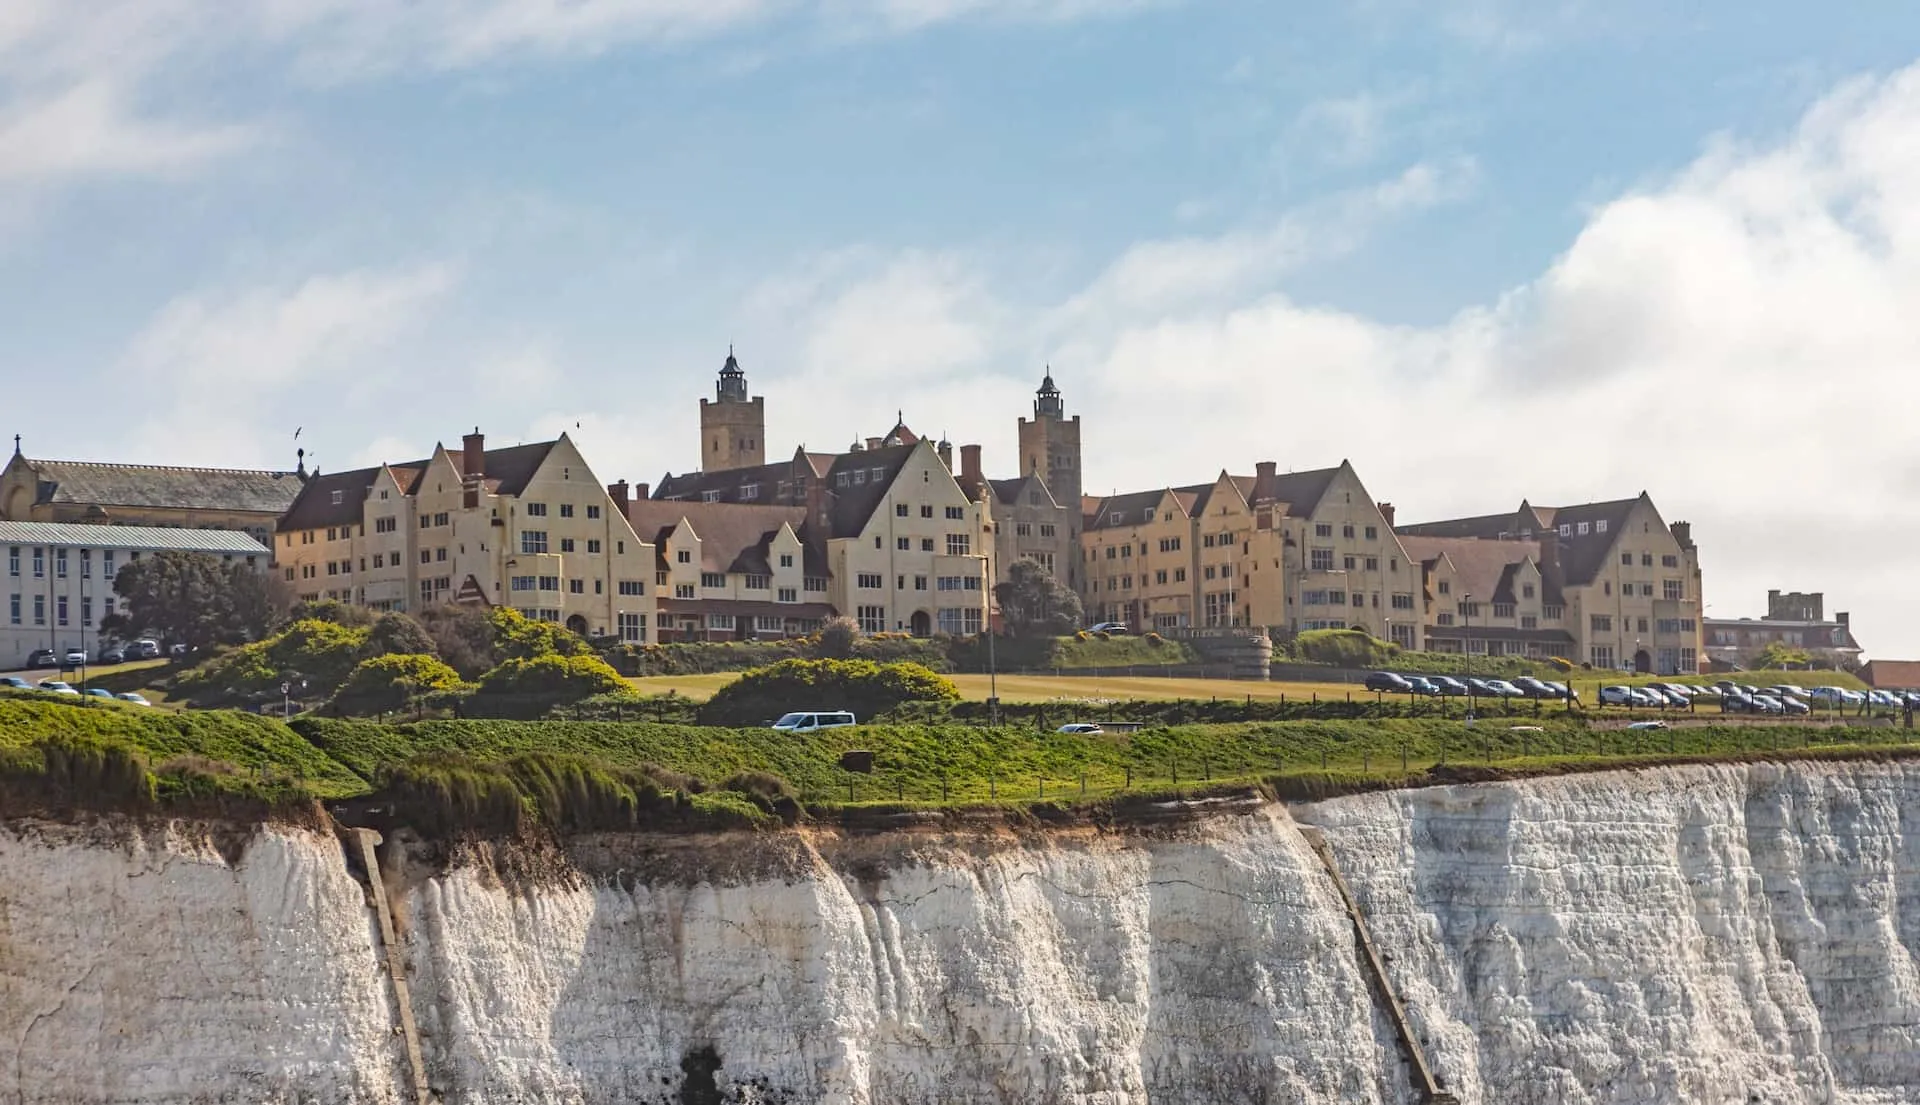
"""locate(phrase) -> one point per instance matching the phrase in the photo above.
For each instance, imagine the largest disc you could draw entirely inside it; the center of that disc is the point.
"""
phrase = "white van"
(807, 722)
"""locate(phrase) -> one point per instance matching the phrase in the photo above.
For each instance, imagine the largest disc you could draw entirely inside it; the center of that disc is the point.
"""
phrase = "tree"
(385, 683)
(462, 636)
(395, 634)
(562, 678)
(862, 686)
(1034, 604)
(837, 638)
(193, 599)
(1779, 656)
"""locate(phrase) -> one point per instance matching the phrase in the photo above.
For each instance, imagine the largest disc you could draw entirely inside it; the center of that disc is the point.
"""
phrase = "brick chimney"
(642, 491)
(970, 466)
(1386, 512)
(473, 467)
(1683, 533)
(618, 493)
(1844, 619)
(875, 443)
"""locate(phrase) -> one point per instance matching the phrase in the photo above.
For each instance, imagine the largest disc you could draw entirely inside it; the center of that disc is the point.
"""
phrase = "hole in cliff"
(700, 1065)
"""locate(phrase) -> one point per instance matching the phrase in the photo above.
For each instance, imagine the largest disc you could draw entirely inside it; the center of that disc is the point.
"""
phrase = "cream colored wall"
(1130, 576)
(1347, 503)
(923, 480)
(1619, 593)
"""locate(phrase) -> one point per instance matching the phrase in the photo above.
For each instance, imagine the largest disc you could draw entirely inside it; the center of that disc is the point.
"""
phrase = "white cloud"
(88, 130)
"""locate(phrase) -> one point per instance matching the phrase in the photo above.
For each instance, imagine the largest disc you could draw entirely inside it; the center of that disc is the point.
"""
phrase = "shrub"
(462, 636)
(516, 636)
(555, 677)
(395, 634)
(322, 652)
(386, 683)
(838, 637)
(331, 610)
(1560, 663)
(864, 687)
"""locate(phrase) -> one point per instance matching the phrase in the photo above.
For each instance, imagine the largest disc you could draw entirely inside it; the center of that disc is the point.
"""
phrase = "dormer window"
(1566, 530)
(339, 497)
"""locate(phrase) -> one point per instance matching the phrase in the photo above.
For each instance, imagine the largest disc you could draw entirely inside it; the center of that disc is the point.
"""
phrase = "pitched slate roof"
(1590, 530)
(1485, 569)
(1011, 492)
(131, 537)
(1301, 491)
(507, 472)
(734, 537)
(852, 504)
(84, 483)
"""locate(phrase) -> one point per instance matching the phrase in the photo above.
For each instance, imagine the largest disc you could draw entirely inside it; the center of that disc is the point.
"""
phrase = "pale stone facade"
(529, 527)
(1050, 449)
(733, 427)
(917, 559)
(156, 496)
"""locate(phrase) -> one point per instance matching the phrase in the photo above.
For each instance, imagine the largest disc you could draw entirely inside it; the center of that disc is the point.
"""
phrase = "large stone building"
(1794, 619)
(1614, 585)
(529, 527)
(89, 493)
(59, 577)
(1049, 454)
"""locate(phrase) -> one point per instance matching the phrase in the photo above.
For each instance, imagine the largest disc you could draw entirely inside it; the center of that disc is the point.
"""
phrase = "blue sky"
(1486, 249)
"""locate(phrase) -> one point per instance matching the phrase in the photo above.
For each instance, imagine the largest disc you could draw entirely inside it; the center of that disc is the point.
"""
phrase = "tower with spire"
(1050, 445)
(732, 425)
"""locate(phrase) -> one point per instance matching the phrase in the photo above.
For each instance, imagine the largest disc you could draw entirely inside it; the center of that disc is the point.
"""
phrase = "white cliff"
(1725, 934)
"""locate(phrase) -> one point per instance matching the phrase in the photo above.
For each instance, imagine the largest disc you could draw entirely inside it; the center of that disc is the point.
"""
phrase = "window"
(13, 609)
(13, 561)
(1553, 611)
(333, 568)
(1321, 560)
(1503, 610)
(1646, 560)
(1672, 590)
(956, 514)
(633, 627)
(549, 583)
(1349, 563)
(1373, 563)
(440, 555)
(440, 519)
(759, 582)
(631, 587)
(904, 544)
(1526, 590)
(593, 544)
(719, 621)
(683, 556)
(786, 560)
(787, 594)
(1528, 621)
(1601, 623)
(576, 586)
(533, 541)
(60, 609)
(1360, 599)
(959, 544)
(1566, 529)
(39, 609)
(1626, 559)
(1444, 587)
(1323, 529)
(1346, 531)
(871, 581)
(1601, 656)
(566, 544)
(536, 510)
(1646, 590)
(685, 591)
(1373, 533)
(339, 497)
(60, 563)
(1640, 626)
(1179, 575)
(1443, 619)
(1469, 609)
(566, 510)
(594, 512)
(1580, 528)
(815, 583)
(713, 580)
(901, 510)
(426, 556)
(1402, 602)
(1046, 529)
(86, 563)
(385, 525)
(872, 619)
(425, 521)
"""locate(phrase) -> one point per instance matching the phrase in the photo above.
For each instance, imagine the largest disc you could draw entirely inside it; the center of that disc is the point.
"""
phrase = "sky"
(1487, 250)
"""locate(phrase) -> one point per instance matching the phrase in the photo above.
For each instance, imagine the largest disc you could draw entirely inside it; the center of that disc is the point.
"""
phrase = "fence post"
(1083, 784)
(1129, 777)
(943, 788)
(850, 788)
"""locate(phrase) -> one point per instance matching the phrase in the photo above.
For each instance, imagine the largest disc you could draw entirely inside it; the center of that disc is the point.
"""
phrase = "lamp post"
(1466, 614)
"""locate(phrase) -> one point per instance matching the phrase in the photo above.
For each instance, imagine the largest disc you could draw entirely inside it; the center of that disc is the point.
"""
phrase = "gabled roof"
(852, 504)
(734, 537)
(84, 483)
(1124, 511)
(131, 537)
(507, 472)
(1484, 569)
(728, 485)
(1584, 534)
(1301, 491)
(1012, 492)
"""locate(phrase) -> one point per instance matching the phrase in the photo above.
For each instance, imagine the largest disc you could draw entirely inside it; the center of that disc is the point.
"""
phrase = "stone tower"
(732, 426)
(1050, 445)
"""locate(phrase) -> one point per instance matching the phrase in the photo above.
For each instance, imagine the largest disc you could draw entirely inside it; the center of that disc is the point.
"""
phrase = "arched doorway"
(1643, 662)
(920, 625)
(577, 624)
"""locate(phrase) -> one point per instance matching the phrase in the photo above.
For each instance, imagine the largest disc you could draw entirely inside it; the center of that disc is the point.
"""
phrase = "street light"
(1466, 612)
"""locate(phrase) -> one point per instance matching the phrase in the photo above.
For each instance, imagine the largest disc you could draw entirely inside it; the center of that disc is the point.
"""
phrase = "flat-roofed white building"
(57, 577)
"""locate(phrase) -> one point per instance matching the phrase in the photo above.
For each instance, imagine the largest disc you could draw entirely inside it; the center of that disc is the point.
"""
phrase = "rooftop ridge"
(161, 467)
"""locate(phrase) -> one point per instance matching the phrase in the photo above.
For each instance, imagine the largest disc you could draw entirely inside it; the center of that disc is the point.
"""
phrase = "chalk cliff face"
(1725, 934)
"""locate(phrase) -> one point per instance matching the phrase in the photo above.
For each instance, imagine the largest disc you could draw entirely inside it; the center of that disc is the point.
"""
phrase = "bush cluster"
(862, 686)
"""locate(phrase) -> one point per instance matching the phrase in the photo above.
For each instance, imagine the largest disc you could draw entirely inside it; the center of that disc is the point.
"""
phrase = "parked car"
(1618, 696)
(96, 692)
(1767, 704)
(76, 658)
(177, 651)
(1913, 698)
(1709, 693)
(1563, 691)
(146, 648)
(14, 683)
(1825, 696)
(1422, 685)
(1791, 689)
(1534, 688)
(1111, 629)
(1480, 688)
(1387, 682)
(55, 686)
(809, 721)
(1738, 702)
(1659, 697)
(1648, 725)
(1682, 693)
(1852, 698)
(42, 658)
(111, 656)
(134, 697)
(1793, 705)
(1449, 686)
(1505, 689)
(1084, 728)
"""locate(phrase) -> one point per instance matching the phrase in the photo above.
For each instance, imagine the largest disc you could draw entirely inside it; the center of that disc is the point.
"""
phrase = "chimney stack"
(1683, 533)
(618, 493)
(642, 491)
(473, 467)
(945, 449)
(875, 443)
(970, 466)
(1386, 512)
(1843, 618)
